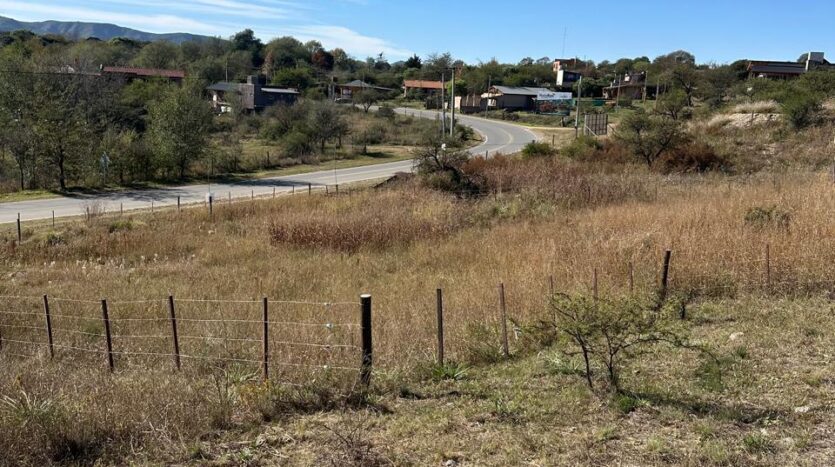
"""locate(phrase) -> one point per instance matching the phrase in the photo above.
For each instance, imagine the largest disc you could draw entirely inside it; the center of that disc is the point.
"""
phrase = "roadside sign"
(567, 78)
(554, 103)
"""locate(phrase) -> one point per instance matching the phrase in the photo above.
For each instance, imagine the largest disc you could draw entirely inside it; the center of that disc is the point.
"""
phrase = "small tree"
(648, 136)
(326, 123)
(367, 98)
(611, 332)
(179, 126)
(440, 162)
(672, 104)
(800, 108)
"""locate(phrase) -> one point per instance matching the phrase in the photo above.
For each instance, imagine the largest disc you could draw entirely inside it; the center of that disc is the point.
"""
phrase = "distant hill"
(103, 31)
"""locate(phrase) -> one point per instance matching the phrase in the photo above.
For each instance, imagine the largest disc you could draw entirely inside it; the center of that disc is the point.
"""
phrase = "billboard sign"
(567, 78)
(554, 103)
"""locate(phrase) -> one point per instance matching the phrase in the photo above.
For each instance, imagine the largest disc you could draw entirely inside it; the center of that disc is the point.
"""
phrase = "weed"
(758, 443)
(449, 371)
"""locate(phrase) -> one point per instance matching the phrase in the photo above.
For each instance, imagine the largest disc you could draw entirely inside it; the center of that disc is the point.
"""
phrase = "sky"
(714, 31)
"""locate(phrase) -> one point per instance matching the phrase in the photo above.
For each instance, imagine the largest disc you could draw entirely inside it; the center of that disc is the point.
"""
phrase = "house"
(348, 90)
(132, 73)
(631, 86)
(421, 85)
(513, 98)
(788, 70)
(470, 104)
(253, 96)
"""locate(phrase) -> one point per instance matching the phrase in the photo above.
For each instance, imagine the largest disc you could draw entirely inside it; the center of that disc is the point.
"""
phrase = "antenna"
(564, 36)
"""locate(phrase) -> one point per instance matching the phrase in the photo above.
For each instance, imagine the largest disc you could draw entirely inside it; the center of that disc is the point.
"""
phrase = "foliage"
(648, 136)
(440, 163)
(694, 157)
(538, 149)
(179, 128)
(367, 98)
(581, 147)
(800, 109)
(768, 216)
(325, 123)
(611, 332)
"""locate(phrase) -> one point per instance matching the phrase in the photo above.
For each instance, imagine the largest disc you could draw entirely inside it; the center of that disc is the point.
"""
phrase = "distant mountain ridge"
(103, 31)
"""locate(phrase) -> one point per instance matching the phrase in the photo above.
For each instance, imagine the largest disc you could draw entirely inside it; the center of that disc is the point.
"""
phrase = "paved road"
(498, 137)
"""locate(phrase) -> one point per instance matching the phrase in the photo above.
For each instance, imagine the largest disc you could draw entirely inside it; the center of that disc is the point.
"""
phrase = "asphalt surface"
(498, 137)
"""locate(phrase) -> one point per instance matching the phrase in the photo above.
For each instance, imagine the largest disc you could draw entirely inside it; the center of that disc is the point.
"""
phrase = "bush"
(297, 144)
(538, 149)
(386, 112)
(692, 157)
(581, 147)
(761, 217)
(800, 109)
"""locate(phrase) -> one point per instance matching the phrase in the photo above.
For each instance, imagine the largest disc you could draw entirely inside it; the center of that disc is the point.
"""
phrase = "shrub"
(800, 109)
(386, 112)
(538, 149)
(297, 144)
(761, 217)
(581, 147)
(611, 332)
(692, 157)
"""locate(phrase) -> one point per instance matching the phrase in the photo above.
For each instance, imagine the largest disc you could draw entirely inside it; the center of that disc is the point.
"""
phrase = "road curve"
(498, 137)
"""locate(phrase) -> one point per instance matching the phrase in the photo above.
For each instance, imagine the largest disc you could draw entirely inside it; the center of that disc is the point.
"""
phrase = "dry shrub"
(372, 224)
(564, 183)
(695, 157)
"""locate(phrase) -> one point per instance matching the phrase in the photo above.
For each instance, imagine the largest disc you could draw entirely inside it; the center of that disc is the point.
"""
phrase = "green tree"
(159, 54)
(648, 136)
(179, 128)
(325, 123)
(367, 98)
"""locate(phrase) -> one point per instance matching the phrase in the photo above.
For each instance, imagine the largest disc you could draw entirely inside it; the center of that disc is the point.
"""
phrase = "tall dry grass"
(399, 245)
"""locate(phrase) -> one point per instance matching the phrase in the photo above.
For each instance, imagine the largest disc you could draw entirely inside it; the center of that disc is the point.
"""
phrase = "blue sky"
(715, 31)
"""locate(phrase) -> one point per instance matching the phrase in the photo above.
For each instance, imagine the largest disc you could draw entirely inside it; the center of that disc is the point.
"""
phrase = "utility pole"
(577, 118)
(452, 124)
(443, 105)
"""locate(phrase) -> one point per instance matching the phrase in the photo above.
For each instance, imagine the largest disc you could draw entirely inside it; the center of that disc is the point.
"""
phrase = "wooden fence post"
(53, 218)
(173, 316)
(631, 273)
(767, 268)
(107, 335)
(309, 188)
(178, 204)
(551, 288)
(439, 295)
(337, 189)
(265, 354)
(327, 190)
(48, 326)
(503, 310)
(367, 347)
(121, 209)
(594, 285)
(152, 207)
(665, 275)
(19, 231)
(273, 192)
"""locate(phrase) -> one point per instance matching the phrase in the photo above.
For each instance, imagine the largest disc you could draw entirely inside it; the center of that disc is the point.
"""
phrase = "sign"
(554, 103)
(567, 78)
(596, 124)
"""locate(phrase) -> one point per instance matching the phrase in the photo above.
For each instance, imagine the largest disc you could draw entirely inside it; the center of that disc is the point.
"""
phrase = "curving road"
(498, 137)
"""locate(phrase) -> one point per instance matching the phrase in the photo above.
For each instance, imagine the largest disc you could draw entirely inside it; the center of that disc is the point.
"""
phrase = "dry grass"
(400, 245)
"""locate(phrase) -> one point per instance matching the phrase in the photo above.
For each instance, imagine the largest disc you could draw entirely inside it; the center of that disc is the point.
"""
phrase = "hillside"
(103, 31)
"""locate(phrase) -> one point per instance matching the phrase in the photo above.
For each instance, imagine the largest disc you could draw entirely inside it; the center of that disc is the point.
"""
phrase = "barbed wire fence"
(294, 342)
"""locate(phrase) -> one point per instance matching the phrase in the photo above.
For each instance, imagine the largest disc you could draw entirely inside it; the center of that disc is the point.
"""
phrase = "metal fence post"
(503, 310)
(48, 326)
(108, 338)
(367, 347)
(173, 317)
(439, 295)
(265, 354)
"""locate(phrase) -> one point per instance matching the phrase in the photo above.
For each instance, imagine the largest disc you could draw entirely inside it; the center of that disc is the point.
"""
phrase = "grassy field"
(552, 219)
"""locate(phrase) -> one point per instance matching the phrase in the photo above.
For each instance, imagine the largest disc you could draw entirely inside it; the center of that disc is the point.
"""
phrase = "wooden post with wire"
(503, 310)
(173, 317)
(439, 296)
(631, 273)
(107, 335)
(767, 268)
(48, 326)
(19, 231)
(594, 285)
(265, 351)
(665, 275)
(53, 218)
(367, 346)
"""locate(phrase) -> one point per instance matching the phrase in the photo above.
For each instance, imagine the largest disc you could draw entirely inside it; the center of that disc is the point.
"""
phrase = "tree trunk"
(62, 176)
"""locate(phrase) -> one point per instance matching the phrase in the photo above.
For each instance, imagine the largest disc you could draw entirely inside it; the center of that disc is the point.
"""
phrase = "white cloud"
(151, 23)
(348, 39)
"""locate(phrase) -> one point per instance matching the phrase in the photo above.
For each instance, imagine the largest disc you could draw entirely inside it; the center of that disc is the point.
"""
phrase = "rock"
(736, 336)
(802, 409)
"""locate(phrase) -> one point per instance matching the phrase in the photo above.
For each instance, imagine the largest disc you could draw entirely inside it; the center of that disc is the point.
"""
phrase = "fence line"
(277, 343)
